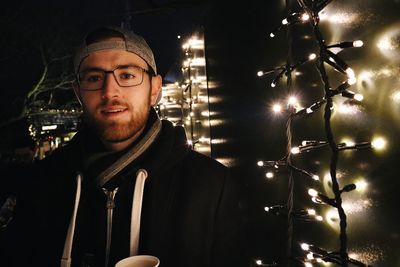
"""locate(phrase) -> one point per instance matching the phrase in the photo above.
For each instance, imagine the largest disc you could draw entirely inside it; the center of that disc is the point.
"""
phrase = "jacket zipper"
(110, 205)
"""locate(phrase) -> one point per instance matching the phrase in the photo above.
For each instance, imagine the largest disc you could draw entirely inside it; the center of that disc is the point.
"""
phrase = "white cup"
(139, 261)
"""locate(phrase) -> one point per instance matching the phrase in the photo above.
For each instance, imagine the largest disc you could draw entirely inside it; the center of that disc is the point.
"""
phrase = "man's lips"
(113, 110)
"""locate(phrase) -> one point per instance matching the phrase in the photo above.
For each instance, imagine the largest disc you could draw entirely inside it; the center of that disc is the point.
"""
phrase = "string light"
(315, 177)
(305, 17)
(303, 215)
(292, 101)
(361, 185)
(269, 175)
(311, 212)
(277, 108)
(284, 69)
(348, 142)
(357, 43)
(312, 192)
(312, 56)
(396, 96)
(311, 10)
(378, 143)
(291, 20)
(305, 246)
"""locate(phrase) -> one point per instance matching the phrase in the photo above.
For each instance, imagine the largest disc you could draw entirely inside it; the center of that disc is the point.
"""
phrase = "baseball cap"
(132, 42)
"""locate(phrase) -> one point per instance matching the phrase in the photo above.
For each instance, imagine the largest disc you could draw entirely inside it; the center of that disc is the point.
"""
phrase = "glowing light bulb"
(361, 185)
(292, 101)
(273, 84)
(284, 22)
(315, 177)
(312, 192)
(352, 80)
(385, 44)
(310, 256)
(295, 150)
(305, 246)
(319, 218)
(358, 97)
(316, 200)
(260, 163)
(269, 175)
(277, 108)
(312, 56)
(379, 143)
(311, 212)
(350, 72)
(358, 43)
(366, 75)
(305, 17)
(348, 142)
(204, 140)
(205, 113)
(396, 96)
(259, 262)
(179, 37)
(272, 35)
(260, 73)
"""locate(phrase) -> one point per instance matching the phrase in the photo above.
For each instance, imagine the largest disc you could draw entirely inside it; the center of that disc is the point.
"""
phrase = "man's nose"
(111, 88)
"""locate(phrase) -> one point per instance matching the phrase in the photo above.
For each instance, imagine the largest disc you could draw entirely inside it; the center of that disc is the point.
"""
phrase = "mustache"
(113, 102)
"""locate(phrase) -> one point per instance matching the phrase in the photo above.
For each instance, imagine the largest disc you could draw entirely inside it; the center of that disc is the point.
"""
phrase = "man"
(127, 183)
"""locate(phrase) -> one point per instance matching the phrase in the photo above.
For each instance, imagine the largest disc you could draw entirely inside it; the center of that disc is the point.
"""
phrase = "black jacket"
(190, 214)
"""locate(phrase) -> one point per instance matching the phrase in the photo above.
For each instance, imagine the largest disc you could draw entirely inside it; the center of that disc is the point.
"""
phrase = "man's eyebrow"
(126, 66)
(115, 67)
(92, 69)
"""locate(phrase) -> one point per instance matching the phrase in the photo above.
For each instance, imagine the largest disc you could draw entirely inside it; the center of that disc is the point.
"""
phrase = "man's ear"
(75, 85)
(156, 87)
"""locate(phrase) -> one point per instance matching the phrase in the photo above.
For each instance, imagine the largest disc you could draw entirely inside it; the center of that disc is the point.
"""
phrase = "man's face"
(117, 114)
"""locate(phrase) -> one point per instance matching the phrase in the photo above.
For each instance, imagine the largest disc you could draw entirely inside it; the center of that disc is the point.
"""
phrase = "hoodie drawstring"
(66, 257)
(137, 201)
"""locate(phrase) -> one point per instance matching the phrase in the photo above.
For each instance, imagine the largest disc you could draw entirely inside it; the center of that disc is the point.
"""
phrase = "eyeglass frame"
(149, 71)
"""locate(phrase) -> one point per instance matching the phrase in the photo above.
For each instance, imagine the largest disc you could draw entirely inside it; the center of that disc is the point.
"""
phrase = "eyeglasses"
(125, 76)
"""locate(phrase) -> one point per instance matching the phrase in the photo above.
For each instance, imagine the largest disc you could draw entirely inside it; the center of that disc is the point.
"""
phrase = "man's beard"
(119, 131)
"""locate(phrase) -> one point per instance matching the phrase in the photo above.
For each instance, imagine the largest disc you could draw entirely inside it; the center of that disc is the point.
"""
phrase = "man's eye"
(127, 76)
(91, 77)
